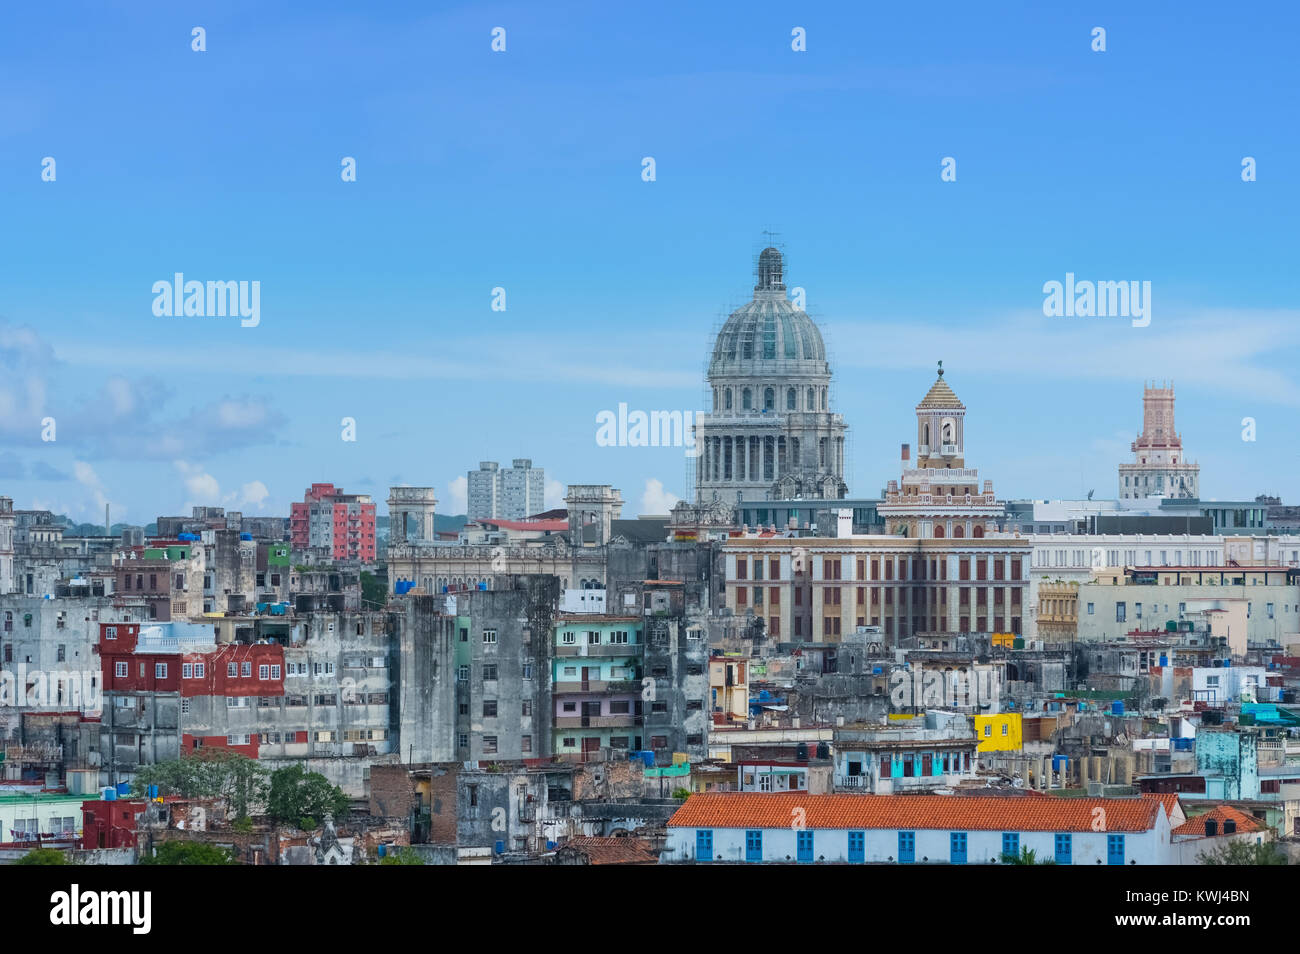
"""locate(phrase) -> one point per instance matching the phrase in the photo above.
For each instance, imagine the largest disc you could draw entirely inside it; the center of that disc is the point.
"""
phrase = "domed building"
(771, 434)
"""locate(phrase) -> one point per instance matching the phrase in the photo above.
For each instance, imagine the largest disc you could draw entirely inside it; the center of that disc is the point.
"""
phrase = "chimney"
(907, 453)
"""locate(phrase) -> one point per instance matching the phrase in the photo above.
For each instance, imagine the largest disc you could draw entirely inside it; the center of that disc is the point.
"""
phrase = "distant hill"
(441, 522)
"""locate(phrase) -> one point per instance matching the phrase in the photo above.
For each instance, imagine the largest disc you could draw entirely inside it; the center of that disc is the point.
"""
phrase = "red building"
(327, 518)
(108, 823)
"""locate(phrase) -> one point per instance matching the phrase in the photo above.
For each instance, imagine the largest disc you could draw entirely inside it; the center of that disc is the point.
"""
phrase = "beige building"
(1058, 611)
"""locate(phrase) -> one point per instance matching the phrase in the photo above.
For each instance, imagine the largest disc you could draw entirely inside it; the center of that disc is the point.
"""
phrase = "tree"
(208, 773)
(1027, 856)
(296, 795)
(1244, 853)
(43, 856)
(404, 856)
(189, 853)
(374, 589)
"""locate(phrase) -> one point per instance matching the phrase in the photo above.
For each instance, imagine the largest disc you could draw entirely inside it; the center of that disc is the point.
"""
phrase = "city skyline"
(376, 295)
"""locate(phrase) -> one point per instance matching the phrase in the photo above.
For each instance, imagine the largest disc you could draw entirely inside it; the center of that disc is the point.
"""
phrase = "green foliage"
(189, 853)
(682, 793)
(296, 794)
(403, 857)
(307, 823)
(43, 856)
(374, 591)
(243, 825)
(1027, 856)
(208, 773)
(1244, 853)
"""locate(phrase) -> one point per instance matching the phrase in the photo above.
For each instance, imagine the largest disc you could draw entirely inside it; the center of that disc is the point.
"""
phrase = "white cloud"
(87, 477)
(1231, 352)
(457, 496)
(200, 485)
(253, 494)
(554, 497)
(656, 500)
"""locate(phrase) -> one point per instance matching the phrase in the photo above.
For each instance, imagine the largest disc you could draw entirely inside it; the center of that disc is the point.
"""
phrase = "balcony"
(606, 649)
(580, 685)
(625, 721)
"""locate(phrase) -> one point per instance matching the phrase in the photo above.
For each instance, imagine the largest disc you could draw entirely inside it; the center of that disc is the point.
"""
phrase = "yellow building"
(1002, 732)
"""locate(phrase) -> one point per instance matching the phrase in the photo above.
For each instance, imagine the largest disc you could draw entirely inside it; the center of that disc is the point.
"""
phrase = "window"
(110, 632)
(264, 671)
(489, 708)
(526, 708)
(489, 635)
(1091, 607)
(1121, 612)
(160, 670)
(526, 671)
(232, 670)
(568, 638)
(119, 670)
(525, 743)
(489, 744)
(275, 672)
(593, 637)
(1004, 728)
(187, 670)
(246, 669)
(1011, 844)
(462, 674)
(489, 673)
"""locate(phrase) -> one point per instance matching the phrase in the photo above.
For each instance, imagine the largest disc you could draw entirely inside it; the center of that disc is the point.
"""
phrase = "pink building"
(329, 519)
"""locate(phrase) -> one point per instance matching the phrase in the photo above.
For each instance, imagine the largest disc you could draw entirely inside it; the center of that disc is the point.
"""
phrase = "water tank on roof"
(801, 752)
(110, 794)
(245, 536)
(1117, 707)
(823, 750)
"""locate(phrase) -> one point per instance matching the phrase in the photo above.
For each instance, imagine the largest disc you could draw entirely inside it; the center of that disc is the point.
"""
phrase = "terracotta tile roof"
(1221, 813)
(613, 851)
(940, 395)
(967, 813)
(1168, 799)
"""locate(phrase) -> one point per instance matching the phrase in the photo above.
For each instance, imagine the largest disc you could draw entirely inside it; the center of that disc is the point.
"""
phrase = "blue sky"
(522, 170)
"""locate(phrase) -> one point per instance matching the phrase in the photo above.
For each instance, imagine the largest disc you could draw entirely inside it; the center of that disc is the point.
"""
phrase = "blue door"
(804, 846)
(1065, 849)
(753, 846)
(906, 847)
(957, 850)
(857, 847)
(1011, 844)
(703, 845)
(1114, 849)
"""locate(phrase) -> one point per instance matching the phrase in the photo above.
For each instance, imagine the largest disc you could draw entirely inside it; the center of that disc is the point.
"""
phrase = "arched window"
(979, 531)
(812, 402)
(789, 399)
(938, 530)
(823, 399)
(726, 397)
(959, 531)
(769, 399)
(925, 434)
(747, 400)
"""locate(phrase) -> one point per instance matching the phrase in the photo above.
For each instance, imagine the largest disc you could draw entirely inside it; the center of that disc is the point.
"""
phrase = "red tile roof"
(968, 813)
(613, 851)
(1221, 813)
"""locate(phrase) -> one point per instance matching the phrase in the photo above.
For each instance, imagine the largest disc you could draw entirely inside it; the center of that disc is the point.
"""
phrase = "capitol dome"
(768, 334)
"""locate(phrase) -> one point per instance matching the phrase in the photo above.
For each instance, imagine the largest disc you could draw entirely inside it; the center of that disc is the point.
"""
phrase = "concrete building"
(770, 432)
(1159, 467)
(511, 494)
(939, 497)
(6, 545)
(341, 525)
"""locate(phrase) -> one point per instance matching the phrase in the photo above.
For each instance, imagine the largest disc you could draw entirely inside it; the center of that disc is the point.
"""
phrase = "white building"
(770, 433)
(1159, 467)
(922, 829)
(511, 494)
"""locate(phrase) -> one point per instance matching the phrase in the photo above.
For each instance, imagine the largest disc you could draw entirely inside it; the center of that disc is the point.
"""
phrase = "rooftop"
(891, 812)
